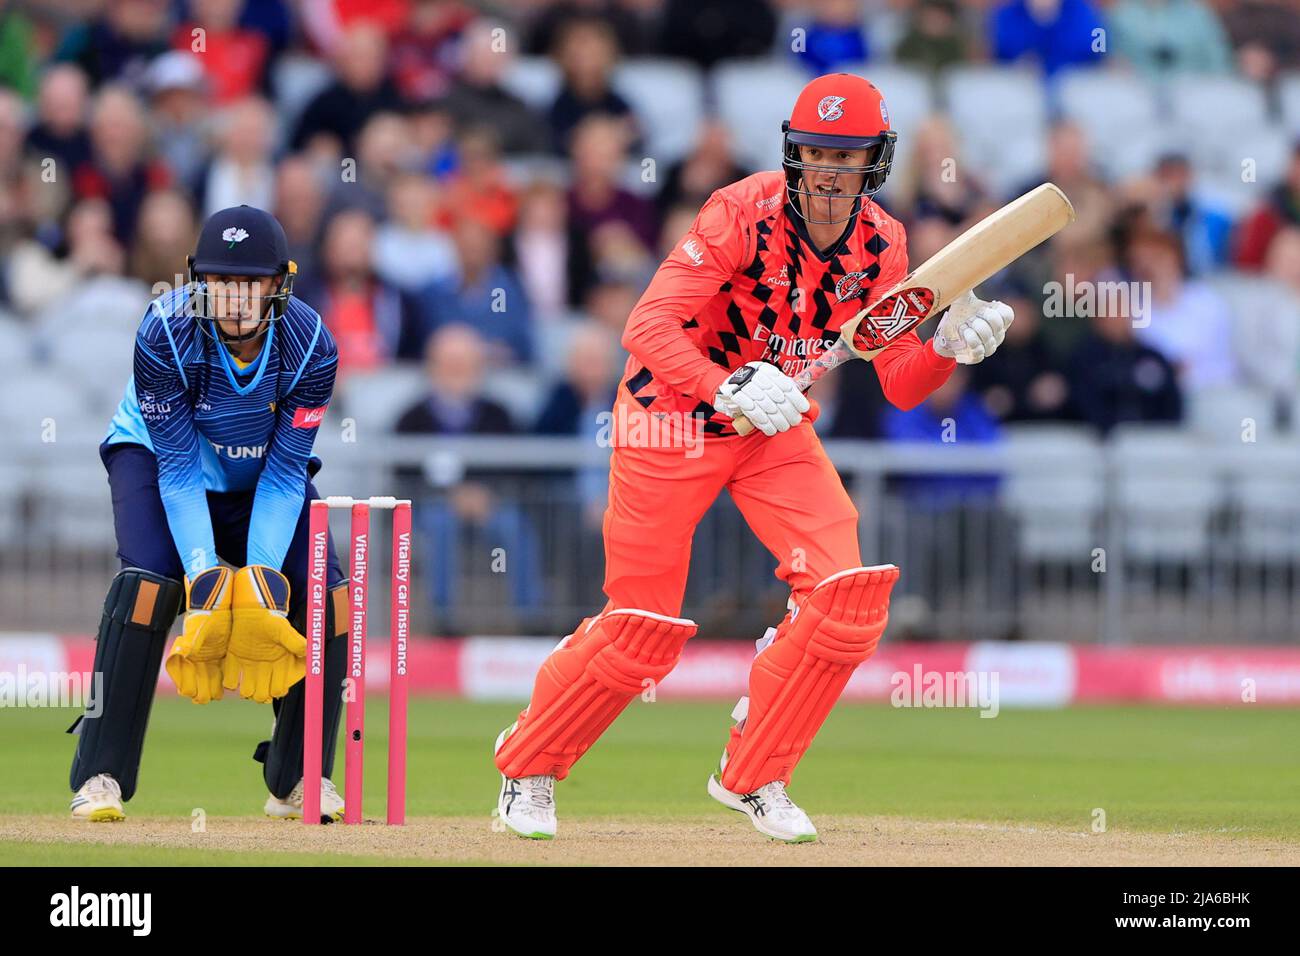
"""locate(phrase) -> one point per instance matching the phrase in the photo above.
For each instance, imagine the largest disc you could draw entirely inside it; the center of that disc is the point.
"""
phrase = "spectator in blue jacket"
(834, 37)
(952, 414)
(1056, 33)
(1205, 230)
(486, 295)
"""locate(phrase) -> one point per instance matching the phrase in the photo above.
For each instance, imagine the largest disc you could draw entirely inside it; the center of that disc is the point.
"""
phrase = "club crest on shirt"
(849, 286)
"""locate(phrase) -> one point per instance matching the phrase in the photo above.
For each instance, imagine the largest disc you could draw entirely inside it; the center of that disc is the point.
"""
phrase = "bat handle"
(742, 425)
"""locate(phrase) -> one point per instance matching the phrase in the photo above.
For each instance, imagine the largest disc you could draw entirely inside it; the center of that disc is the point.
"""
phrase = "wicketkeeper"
(209, 461)
(771, 268)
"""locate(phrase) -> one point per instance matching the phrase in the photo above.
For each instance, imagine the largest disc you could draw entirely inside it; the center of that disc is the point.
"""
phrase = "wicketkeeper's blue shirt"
(216, 426)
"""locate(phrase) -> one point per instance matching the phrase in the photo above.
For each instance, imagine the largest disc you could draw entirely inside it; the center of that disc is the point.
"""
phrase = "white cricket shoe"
(526, 804)
(769, 808)
(99, 800)
(290, 808)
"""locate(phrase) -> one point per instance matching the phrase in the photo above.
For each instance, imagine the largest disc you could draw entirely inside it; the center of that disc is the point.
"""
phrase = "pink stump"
(317, 564)
(359, 592)
(398, 670)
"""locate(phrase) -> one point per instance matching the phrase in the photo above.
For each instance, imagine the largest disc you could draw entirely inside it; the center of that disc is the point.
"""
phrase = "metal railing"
(991, 563)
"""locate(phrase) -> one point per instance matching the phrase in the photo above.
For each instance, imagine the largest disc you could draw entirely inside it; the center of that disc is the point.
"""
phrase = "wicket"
(358, 596)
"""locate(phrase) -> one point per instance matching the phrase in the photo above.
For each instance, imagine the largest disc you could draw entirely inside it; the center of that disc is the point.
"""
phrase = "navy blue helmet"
(242, 241)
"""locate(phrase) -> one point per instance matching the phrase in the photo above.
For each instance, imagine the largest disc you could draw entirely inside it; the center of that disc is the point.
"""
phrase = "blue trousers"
(144, 539)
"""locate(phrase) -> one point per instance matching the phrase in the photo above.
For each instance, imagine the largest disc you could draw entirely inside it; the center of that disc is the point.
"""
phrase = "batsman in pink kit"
(759, 287)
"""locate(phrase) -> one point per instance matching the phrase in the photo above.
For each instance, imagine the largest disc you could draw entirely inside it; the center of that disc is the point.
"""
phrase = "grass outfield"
(1233, 773)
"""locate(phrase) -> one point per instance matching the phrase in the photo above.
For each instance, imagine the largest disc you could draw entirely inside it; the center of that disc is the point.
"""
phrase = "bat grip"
(834, 356)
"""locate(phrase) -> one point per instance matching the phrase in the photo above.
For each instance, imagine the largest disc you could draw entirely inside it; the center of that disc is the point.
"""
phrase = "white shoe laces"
(541, 791)
(774, 793)
(102, 783)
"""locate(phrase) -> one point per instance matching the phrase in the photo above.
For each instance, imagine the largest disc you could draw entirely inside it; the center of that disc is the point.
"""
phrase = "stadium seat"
(753, 99)
(1108, 105)
(999, 113)
(36, 401)
(1221, 164)
(908, 94)
(15, 480)
(668, 99)
(551, 344)
(16, 344)
(1134, 154)
(520, 390)
(375, 400)
(75, 509)
(1121, 118)
(1288, 95)
(1265, 329)
(101, 359)
(1202, 103)
(1168, 489)
(1054, 488)
(1224, 415)
(1268, 508)
(103, 302)
(1024, 158)
(535, 80)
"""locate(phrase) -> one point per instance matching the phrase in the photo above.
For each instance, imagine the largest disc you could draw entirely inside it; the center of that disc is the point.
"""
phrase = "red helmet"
(838, 111)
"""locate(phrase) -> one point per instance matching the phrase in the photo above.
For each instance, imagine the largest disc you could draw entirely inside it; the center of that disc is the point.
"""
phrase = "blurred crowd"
(468, 189)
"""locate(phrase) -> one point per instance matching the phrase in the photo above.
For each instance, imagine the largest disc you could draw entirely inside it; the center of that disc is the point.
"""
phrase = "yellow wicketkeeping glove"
(195, 660)
(266, 653)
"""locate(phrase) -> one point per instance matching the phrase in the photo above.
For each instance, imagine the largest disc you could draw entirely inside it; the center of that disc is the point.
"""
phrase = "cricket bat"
(985, 248)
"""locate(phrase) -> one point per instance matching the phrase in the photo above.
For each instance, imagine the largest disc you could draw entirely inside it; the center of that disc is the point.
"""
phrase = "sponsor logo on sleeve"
(153, 410)
(309, 417)
(693, 250)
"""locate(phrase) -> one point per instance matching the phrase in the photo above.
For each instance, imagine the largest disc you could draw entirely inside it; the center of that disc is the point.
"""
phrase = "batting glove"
(765, 395)
(972, 329)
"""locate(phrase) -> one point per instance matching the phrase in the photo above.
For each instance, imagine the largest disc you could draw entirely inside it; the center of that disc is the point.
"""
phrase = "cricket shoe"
(769, 808)
(290, 808)
(526, 804)
(99, 800)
